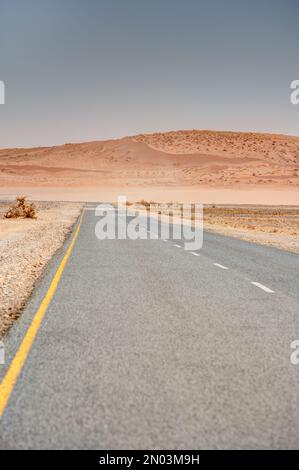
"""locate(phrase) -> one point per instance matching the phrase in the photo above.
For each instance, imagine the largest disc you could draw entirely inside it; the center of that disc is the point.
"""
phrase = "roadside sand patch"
(277, 227)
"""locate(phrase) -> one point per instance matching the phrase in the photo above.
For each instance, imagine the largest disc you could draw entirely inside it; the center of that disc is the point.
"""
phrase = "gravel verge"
(26, 246)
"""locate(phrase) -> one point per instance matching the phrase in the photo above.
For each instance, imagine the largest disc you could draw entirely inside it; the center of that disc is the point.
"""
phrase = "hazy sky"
(79, 70)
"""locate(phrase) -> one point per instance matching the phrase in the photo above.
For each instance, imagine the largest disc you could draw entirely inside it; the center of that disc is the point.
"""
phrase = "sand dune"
(166, 164)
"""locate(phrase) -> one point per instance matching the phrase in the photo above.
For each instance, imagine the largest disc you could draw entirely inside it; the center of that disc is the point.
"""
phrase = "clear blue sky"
(78, 70)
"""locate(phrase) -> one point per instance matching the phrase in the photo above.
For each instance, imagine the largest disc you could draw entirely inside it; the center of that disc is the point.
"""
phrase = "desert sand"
(196, 166)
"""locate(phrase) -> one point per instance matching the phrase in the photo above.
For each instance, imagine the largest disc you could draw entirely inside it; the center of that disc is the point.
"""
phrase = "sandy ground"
(26, 246)
(277, 227)
(205, 166)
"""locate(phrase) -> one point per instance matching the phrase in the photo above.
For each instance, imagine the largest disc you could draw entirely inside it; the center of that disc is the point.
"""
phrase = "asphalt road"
(146, 345)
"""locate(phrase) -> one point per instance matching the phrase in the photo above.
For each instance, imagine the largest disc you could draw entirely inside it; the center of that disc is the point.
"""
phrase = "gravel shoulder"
(26, 246)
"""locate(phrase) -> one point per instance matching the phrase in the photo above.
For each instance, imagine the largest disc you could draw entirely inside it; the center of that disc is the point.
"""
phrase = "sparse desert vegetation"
(277, 227)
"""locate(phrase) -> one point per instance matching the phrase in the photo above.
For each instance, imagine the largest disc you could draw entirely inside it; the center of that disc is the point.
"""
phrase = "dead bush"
(21, 210)
(144, 203)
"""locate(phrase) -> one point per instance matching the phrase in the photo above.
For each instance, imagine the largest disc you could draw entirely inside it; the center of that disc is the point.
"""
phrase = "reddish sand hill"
(149, 165)
(234, 157)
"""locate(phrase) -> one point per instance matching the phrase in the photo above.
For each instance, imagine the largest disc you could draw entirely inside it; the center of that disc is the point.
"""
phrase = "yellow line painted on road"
(15, 368)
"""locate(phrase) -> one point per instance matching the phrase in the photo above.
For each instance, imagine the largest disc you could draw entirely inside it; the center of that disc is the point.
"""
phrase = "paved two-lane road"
(146, 345)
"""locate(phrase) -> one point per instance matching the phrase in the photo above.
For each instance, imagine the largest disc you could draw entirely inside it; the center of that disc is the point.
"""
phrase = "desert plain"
(248, 183)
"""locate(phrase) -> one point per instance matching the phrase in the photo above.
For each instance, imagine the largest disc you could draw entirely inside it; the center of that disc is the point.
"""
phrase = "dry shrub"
(21, 210)
(144, 203)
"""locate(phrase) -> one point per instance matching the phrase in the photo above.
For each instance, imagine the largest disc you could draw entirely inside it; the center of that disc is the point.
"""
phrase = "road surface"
(146, 345)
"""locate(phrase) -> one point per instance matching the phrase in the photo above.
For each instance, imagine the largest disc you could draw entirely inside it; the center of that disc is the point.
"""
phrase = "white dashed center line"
(261, 286)
(220, 266)
(177, 246)
(194, 253)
